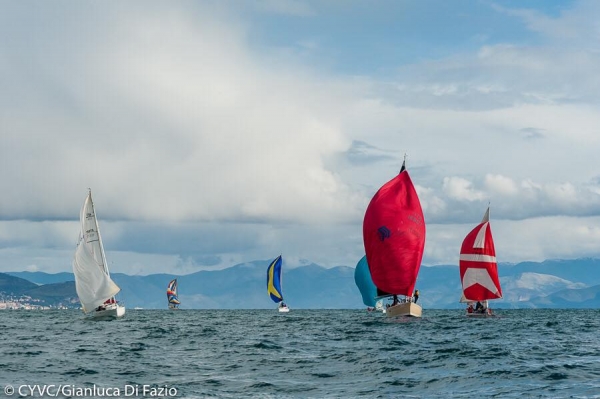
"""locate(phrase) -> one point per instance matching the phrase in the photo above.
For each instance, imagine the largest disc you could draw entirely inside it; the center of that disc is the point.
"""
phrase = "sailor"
(395, 302)
(479, 307)
(416, 296)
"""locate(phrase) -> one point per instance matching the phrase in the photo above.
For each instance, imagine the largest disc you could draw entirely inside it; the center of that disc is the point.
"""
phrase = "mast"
(104, 264)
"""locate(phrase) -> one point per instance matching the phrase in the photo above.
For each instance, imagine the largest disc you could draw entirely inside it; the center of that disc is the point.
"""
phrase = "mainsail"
(92, 278)
(362, 278)
(274, 280)
(478, 267)
(172, 294)
(394, 236)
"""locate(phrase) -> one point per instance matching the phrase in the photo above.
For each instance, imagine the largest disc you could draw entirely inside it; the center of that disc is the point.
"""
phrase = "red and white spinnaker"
(478, 266)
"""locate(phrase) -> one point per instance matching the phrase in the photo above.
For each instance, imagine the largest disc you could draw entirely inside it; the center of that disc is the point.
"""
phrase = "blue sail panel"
(362, 278)
(274, 280)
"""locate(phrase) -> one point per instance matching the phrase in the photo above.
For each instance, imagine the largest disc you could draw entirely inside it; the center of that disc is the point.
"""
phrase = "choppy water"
(305, 354)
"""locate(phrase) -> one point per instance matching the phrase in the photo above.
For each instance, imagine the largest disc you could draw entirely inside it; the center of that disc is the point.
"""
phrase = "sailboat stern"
(406, 309)
(110, 311)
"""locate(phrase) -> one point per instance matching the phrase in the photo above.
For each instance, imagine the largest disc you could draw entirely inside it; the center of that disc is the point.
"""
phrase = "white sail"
(92, 279)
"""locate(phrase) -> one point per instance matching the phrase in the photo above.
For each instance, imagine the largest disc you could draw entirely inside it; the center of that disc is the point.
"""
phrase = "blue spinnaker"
(362, 278)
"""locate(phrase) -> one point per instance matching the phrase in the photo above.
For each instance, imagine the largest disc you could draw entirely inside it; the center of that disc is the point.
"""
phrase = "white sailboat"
(94, 286)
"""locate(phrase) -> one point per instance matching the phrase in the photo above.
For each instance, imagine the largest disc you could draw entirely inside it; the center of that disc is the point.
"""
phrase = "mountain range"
(549, 284)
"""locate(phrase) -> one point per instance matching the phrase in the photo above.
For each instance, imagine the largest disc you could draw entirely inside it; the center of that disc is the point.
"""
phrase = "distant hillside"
(553, 283)
(583, 270)
(13, 285)
(56, 294)
(44, 278)
(588, 298)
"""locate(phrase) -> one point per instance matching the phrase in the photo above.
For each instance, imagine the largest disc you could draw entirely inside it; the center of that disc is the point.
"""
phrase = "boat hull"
(110, 312)
(408, 309)
(284, 309)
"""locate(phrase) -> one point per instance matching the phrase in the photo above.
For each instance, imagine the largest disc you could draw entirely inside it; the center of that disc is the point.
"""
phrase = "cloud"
(534, 239)
(173, 127)
(461, 189)
(502, 185)
(210, 137)
(286, 7)
(572, 23)
(361, 152)
(531, 133)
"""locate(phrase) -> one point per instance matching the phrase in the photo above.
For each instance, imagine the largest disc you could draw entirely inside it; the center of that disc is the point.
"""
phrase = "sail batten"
(394, 236)
(478, 264)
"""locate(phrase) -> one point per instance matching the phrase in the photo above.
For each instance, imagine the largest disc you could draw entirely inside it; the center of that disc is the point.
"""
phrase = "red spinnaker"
(478, 267)
(394, 236)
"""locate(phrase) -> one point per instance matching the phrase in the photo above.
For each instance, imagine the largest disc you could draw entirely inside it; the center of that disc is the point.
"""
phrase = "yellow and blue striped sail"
(274, 280)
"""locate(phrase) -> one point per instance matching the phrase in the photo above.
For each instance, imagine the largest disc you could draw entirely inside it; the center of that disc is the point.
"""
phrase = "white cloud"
(190, 130)
(501, 185)
(461, 189)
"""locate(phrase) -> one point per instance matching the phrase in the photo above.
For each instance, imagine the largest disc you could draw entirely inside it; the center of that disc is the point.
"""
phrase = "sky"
(213, 133)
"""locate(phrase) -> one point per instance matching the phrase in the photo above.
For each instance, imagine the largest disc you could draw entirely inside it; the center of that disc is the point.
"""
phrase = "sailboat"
(394, 239)
(479, 269)
(94, 286)
(364, 282)
(172, 295)
(274, 284)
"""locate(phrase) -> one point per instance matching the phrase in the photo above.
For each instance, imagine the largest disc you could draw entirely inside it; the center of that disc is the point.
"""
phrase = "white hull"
(113, 311)
(284, 309)
(408, 309)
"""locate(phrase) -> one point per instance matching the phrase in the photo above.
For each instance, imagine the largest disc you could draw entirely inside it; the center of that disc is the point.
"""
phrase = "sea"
(535, 353)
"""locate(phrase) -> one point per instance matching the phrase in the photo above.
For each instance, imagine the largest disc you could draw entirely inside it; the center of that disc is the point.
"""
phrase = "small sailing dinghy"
(394, 239)
(479, 270)
(274, 284)
(364, 282)
(172, 298)
(94, 286)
